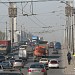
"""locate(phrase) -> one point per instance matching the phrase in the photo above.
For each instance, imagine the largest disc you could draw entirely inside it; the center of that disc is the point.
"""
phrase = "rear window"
(10, 74)
(11, 54)
(2, 57)
(18, 60)
(54, 61)
(43, 59)
(37, 66)
(5, 62)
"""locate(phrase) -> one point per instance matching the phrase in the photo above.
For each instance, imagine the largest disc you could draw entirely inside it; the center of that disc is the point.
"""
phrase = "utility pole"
(6, 30)
(73, 13)
(12, 14)
(21, 34)
(32, 6)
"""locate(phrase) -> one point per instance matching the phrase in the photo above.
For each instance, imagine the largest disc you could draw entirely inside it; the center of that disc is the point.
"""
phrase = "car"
(44, 60)
(12, 61)
(1, 68)
(2, 58)
(6, 65)
(11, 73)
(37, 69)
(18, 63)
(10, 55)
(53, 63)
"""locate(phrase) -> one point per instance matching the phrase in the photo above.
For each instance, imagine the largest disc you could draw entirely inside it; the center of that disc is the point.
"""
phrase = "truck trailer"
(5, 46)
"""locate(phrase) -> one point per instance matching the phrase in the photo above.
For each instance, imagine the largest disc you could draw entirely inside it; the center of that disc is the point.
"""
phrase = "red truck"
(5, 46)
(39, 51)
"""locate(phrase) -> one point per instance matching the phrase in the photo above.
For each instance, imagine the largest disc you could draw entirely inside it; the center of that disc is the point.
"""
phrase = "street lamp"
(69, 11)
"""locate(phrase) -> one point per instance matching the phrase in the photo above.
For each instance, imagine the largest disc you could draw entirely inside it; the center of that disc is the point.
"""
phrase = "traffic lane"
(57, 56)
(54, 72)
(51, 71)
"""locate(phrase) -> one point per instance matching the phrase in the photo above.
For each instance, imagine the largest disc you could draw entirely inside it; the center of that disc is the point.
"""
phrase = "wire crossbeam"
(26, 1)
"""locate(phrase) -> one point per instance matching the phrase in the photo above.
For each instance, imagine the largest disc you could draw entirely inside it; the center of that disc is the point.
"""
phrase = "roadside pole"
(12, 14)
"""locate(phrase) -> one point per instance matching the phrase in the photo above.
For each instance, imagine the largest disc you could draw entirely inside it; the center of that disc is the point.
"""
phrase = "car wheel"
(45, 74)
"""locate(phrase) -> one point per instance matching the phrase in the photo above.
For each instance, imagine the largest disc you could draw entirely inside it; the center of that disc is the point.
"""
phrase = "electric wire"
(34, 21)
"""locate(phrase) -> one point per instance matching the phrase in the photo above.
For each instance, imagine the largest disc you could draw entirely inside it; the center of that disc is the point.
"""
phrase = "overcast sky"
(49, 21)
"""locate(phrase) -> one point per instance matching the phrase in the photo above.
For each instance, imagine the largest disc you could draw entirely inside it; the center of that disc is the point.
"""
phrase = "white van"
(23, 52)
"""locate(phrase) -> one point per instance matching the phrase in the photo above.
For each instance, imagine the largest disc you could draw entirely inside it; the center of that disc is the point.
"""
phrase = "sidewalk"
(68, 69)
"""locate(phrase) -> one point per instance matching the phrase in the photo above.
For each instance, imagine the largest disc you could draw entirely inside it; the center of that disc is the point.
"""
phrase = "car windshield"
(2, 57)
(22, 46)
(6, 62)
(18, 60)
(12, 58)
(53, 61)
(43, 59)
(11, 54)
(1, 46)
(37, 66)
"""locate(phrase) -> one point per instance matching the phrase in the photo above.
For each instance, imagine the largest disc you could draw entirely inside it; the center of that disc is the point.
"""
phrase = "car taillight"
(40, 62)
(43, 70)
(29, 70)
(13, 62)
(49, 62)
(46, 62)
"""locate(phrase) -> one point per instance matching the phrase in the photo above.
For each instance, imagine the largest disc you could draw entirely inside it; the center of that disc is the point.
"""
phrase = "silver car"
(37, 69)
(18, 63)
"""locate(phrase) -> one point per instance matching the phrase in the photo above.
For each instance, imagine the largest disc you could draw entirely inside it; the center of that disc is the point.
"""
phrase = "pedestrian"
(69, 57)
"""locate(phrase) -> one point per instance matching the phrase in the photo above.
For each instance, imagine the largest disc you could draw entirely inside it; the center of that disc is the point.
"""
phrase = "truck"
(51, 45)
(35, 39)
(5, 46)
(40, 50)
(23, 52)
(57, 45)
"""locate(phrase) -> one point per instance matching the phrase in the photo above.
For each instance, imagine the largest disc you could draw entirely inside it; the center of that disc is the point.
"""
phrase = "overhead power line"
(26, 1)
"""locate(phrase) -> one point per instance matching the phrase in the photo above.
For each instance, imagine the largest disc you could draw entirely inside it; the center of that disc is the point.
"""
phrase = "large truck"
(35, 39)
(51, 45)
(40, 50)
(57, 46)
(23, 52)
(5, 46)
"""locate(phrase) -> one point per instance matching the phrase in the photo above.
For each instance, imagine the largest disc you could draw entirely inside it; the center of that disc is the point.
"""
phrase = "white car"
(44, 61)
(18, 63)
(53, 63)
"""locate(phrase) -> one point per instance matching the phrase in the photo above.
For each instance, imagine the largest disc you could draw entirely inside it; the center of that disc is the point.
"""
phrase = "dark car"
(2, 58)
(11, 55)
(12, 60)
(6, 65)
(10, 73)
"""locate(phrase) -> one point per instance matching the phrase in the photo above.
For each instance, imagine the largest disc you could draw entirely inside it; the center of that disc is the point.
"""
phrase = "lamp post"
(70, 11)
(12, 14)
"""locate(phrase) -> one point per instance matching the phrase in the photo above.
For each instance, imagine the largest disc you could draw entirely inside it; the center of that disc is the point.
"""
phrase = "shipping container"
(5, 46)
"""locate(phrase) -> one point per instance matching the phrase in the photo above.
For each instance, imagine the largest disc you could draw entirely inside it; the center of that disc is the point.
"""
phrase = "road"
(50, 71)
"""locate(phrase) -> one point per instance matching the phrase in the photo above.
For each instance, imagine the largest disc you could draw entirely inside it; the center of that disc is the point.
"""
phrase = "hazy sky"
(49, 21)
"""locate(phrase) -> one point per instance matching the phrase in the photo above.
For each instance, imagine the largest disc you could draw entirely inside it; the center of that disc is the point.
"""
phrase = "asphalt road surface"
(50, 71)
